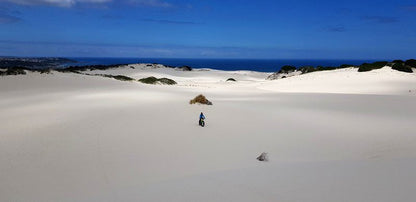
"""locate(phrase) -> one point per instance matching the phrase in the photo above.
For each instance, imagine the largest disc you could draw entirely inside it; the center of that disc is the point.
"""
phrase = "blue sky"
(301, 29)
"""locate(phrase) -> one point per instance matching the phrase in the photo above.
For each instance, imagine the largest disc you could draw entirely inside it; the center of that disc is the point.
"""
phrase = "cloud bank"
(337, 28)
(60, 3)
(151, 3)
(70, 3)
(8, 19)
(170, 21)
(380, 19)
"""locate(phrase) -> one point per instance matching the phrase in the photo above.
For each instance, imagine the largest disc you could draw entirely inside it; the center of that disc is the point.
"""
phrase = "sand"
(330, 136)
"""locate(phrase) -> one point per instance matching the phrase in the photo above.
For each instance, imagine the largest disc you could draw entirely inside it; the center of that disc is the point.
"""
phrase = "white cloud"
(61, 3)
(151, 3)
(70, 3)
(7, 19)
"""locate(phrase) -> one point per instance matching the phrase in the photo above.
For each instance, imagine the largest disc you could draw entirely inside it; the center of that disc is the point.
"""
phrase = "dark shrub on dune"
(45, 71)
(16, 71)
(402, 67)
(122, 78)
(287, 69)
(149, 80)
(91, 67)
(167, 81)
(117, 77)
(201, 99)
(231, 79)
(321, 68)
(154, 80)
(13, 71)
(185, 68)
(411, 63)
(371, 66)
(307, 69)
(345, 66)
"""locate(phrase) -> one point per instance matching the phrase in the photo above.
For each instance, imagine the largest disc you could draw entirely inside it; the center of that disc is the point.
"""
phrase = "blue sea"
(261, 65)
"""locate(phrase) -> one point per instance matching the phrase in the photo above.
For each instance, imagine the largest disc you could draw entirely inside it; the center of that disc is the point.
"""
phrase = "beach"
(337, 135)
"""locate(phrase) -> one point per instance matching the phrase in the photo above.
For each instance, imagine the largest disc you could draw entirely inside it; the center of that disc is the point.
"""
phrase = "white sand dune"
(331, 136)
(349, 80)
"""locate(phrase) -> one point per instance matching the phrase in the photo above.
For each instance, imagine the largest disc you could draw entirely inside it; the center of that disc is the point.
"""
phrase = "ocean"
(261, 65)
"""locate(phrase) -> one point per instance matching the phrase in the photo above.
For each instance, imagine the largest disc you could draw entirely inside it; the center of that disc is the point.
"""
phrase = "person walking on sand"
(201, 119)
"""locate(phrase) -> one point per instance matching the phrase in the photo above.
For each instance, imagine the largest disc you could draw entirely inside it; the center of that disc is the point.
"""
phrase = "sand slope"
(69, 137)
(349, 80)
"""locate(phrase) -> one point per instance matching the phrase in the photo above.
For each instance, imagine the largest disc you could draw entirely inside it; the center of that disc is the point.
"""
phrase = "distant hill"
(33, 63)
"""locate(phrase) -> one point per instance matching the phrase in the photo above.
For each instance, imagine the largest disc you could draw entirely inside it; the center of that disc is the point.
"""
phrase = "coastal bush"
(117, 77)
(185, 68)
(91, 67)
(231, 79)
(307, 69)
(402, 67)
(321, 68)
(45, 71)
(287, 69)
(345, 66)
(122, 78)
(411, 63)
(371, 66)
(154, 80)
(149, 80)
(13, 71)
(73, 71)
(167, 81)
(200, 99)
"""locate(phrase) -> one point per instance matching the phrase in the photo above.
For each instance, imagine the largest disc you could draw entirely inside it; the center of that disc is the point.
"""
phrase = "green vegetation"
(371, 66)
(13, 71)
(122, 78)
(231, 79)
(185, 68)
(167, 81)
(117, 77)
(44, 71)
(149, 80)
(411, 63)
(154, 80)
(200, 99)
(307, 69)
(345, 66)
(287, 69)
(402, 67)
(321, 68)
(91, 67)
